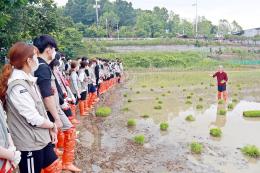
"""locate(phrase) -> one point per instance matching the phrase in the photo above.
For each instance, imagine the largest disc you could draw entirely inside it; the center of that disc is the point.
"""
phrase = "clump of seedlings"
(103, 111)
(137, 92)
(129, 100)
(206, 88)
(199, 107)
(145, 116)
(184, 90)
(200, 99)
(189, 97)
(191, 94)
(221, 102)
(251, 151)
(131, 88)
(234, 100)
(126, 109)
(163, 95)
(139, 139)
(211, 85)
(251, 114)
(190, 118)
(188, 102)
(196, 148)
(143, 86)
(162, 86)
(201, 83)
(151, 89)
(222, 112)
(160, 102)
(158, 107)
(131, 122)
(179, 86)
(164, 126)
(157, 98)
(230, 106)
(169, 92)
(125, 95)
(235, 94)
(215, 132)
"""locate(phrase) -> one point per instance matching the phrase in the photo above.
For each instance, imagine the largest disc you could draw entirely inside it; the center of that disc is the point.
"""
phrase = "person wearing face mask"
(32, 131)
(49, 91)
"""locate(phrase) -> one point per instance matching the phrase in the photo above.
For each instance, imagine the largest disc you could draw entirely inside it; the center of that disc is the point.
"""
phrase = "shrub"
(103, 111)
(139, 139)
(190, 118)
(252, 114)
(131, 122)
(199, 107)
(196, 147)
(215, 132)
(157, 107)
(164, 126)
(251, 151)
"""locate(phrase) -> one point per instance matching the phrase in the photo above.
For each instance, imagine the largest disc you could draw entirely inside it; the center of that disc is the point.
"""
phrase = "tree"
(125, 12)
(224, 27)
(204, 26)
(109, 20)
(235, 27)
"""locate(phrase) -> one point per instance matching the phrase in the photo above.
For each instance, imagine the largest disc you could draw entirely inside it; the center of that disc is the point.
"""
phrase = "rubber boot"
(55, 167)
(86, 105)
(72, 118)
(219, 95)
(90, 100)
(81, 108)
(68, 152)
(60, 136)
(225, 96)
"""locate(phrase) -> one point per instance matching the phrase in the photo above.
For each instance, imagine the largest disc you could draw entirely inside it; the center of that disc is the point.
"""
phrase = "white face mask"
(53, 55)
(36, 66)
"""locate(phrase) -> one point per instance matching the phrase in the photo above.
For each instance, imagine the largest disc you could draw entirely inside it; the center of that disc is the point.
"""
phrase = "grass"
(221, 102)
(164, 126)
(215, 132)
(103, 111)
(139, 139)
(251, 151)
(190, 118)
(196, 148)
(131, 122)
(158, 107)
(230, 106)
(188, 102)
(129, 101)
(200, 99)
(145, 116)
(222, 112)
(251, 114)
(199, 107)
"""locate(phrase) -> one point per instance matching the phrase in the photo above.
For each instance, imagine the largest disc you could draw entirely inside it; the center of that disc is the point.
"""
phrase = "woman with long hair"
(32, 131)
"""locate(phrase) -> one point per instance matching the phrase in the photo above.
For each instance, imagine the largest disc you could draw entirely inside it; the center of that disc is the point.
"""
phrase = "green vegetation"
(143, 86)
(168, 92)
(251, 151)
(196, 147)
(222, 112)
(230, 106)
(131, 122)
(234, 100)
(157, 98)
(199, 107)
(145, 116)
(189, 97)
(160, 102)
(163, 95)
(251, 114)
(125, 95)
(200, 99)
(188, 102)
(162, 86)
(139, 139)
(103, 111)
(221, 102)
(164, 126)
(126, 109)
(151, 89)
(137, 92)
(190, 118)
(215, 132)
(158, 107)
(129, 100)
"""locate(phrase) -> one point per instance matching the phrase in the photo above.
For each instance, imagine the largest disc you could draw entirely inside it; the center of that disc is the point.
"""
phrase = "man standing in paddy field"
(222, 79)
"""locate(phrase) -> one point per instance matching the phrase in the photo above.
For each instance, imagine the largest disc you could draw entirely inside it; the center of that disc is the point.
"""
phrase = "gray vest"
(72, 87)
(25, 136)
(3, 131)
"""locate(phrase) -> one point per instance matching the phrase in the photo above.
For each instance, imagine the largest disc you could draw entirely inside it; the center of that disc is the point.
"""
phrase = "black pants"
(34, 161)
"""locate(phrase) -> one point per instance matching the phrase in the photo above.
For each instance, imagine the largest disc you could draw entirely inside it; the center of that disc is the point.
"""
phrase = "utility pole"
(196, 20)
(97, 7)
(117, 31)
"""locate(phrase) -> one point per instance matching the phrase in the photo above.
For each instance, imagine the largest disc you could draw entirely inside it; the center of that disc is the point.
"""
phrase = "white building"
(251, 32)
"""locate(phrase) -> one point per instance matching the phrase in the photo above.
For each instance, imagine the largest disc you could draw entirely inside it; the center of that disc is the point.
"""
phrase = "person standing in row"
(222, 79)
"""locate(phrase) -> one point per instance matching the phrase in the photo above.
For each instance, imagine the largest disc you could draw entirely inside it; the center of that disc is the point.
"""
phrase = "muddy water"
(105, 145)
